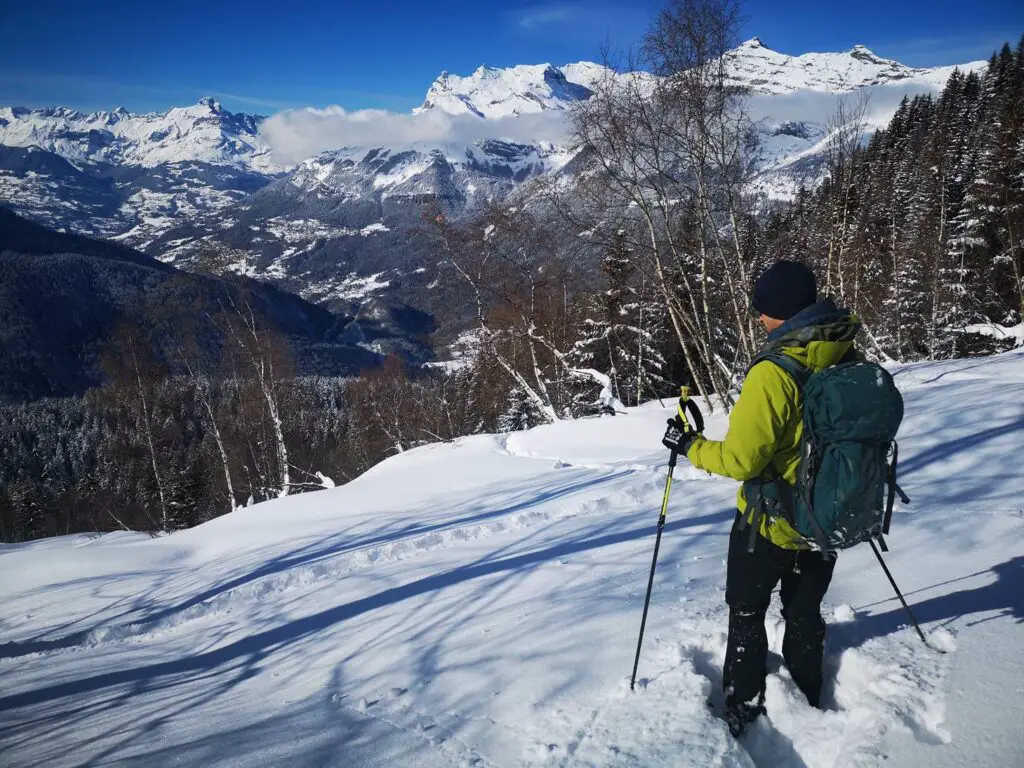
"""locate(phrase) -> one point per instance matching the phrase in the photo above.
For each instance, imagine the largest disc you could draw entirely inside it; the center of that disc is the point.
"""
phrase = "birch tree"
(668, 151)
(259, 357)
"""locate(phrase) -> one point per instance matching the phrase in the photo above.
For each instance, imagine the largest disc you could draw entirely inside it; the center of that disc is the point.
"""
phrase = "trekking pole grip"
(686, 405)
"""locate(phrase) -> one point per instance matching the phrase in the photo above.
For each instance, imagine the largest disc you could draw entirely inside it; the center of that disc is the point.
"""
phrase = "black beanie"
(784, 289)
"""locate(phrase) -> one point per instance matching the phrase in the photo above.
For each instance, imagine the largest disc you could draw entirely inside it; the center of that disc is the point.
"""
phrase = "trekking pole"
(654, 564)
(910, 613)
(684, 404)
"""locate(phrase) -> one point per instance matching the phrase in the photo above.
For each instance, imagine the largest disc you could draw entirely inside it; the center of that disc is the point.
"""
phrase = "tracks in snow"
(439, 732)
(885, 683)
(541, 510)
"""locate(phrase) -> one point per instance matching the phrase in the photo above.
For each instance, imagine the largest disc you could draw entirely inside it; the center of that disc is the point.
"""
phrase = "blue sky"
(263, 56)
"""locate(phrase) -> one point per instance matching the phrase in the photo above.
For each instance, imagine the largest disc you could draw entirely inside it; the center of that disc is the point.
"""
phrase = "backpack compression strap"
(894, 490)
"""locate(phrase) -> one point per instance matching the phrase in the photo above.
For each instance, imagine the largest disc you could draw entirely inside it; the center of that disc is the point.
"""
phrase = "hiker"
(763, 441)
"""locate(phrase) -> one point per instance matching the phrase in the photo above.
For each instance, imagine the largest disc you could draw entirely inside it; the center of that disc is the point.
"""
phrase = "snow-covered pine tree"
(1001, 187)
(866, 263)
(519, 413)
(938, 197)
(471, 412)
(621, 334)
(29, 510)
(650, 337)
(986, 240)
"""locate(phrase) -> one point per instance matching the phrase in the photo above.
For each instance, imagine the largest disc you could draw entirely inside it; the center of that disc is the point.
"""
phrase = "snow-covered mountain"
(757, 67)
(491, 93)
(362, 186)
(476, 603)
(202, 133)
(134, 176)
(196, 180)
(454, 172)
(342, 225)
(496, 93)
(793, 96)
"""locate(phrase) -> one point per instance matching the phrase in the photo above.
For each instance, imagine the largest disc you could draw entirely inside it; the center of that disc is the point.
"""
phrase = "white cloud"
(295, 135)
(584, 21)
(808, 106)
(256, 101)
(545, 16)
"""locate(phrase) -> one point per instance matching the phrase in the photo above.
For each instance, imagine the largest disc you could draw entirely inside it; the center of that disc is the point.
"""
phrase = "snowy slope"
(476, 604)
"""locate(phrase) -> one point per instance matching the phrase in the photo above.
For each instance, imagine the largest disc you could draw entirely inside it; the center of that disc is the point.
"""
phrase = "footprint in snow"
(365, 704)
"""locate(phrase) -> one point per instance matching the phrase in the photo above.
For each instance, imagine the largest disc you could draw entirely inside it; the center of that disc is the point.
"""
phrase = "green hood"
(817, 337)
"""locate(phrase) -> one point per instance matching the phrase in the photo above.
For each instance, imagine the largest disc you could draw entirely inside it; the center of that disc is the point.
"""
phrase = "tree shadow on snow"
(1003, 596)
(147, 713)
(316, 730)
(970, 439)
(245, 654)
(947, 450)
(309, 554)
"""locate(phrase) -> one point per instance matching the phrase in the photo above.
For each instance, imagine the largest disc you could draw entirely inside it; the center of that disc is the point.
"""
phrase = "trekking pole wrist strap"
(686, 405)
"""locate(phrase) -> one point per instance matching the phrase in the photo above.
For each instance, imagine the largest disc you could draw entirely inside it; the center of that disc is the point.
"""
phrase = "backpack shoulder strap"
(781, 499)
(790, 365)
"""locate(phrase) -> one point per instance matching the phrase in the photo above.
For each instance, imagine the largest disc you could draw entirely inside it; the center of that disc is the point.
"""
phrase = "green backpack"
(851, 413)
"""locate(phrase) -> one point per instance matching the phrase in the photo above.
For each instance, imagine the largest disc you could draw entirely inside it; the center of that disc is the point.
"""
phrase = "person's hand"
(679, 435)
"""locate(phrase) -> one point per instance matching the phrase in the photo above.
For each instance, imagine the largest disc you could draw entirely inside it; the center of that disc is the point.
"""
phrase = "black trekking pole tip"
(640, 682)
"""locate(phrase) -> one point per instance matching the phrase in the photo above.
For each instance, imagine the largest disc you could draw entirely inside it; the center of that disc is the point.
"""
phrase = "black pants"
(752, 576)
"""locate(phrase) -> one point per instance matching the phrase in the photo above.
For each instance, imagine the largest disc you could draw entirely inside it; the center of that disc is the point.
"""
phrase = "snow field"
(477, 604)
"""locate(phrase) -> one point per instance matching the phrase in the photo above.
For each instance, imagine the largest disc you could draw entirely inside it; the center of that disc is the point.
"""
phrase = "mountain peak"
(494, 92)
(864, 53)
(210, 103)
